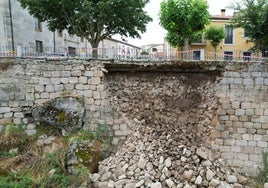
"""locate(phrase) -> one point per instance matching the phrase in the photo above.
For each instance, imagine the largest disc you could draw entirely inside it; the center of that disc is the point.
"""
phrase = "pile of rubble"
(174, 116)
(156, 159)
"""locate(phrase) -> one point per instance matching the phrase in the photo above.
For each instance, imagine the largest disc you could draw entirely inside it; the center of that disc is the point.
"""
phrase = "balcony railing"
(134, 54)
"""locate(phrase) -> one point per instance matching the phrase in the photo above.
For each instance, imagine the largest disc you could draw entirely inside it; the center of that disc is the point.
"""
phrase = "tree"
(94, 20)
(253, 18)
(184, 18)
(215, 35)
(178, 41)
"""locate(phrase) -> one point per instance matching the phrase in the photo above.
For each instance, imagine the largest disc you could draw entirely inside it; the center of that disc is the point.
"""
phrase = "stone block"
(44, 95)
(82, 80)
(96, 95)
(259, 81)
(49, 88)
(250, 112)
(264, 119)
(225, 148)
(257, 137)
(243, 156)
(39, 88)
(229, 142)
(245, 105)
(241, 130)
(8, 115)
(5, 110)
(30, 132)
(243, 118)
(95, 80)
(262, 144)
(247, 136)
(5, 121)
(88, 73)
(59, 87)
(239, 112)
(13, 103)
(251, 131)
(55, 74)
(79, 86)
(238, 81)
(265, 81)
(65, 74)
(225, 134)
(223, 118)
(19, 96)
(248, 82)
(235, 149)
(73, 80)
(44, 81)
(241, 142)
(76, 73)
(18, 115)
(227, 155)
(98, 73)
(55, 81)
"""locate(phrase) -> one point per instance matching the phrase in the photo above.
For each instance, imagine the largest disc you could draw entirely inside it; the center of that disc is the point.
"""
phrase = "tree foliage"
(253, 18)
(215, 35)
(184, 18)
(94, 20)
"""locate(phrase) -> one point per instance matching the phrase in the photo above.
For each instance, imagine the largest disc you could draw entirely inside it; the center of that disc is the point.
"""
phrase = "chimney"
(223, 12)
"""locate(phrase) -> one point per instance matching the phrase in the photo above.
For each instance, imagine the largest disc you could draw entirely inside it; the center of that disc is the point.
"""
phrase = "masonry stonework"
(221, 105)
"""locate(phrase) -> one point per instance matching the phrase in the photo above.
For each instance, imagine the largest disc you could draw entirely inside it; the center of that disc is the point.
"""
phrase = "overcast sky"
(155, 33)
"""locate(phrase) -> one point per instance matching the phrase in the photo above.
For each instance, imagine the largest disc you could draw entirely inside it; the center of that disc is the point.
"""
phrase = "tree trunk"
(186, 47)
(95, 50)
(215, 53)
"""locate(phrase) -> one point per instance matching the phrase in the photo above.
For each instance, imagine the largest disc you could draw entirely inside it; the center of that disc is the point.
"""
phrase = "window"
(229, 39)
(154, 49)
(71, 51)
(197, 55)
(228, 55)
(38, 25)
(246, 56)
(39, 46)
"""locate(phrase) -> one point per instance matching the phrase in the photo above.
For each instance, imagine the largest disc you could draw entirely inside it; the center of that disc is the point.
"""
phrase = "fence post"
(19, 51)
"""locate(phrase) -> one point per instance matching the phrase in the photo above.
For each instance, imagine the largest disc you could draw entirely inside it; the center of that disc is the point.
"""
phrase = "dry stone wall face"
(242, 132)
(27, 83)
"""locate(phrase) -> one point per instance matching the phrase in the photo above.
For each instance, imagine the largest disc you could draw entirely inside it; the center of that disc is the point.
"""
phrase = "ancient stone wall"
(219, 105)
(25, 83)
(241, 132)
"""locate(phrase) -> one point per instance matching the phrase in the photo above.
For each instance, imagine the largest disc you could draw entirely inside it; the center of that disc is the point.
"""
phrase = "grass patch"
(34, 166)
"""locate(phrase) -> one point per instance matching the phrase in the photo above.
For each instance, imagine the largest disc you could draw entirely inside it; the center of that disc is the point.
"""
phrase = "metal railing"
(134, 54)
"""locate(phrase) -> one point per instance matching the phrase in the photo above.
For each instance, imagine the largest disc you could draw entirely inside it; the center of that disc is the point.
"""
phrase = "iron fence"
(134, 54)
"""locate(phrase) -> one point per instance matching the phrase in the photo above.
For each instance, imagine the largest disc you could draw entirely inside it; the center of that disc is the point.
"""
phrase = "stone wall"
(241, 133)
(25, 83)
(219, 105)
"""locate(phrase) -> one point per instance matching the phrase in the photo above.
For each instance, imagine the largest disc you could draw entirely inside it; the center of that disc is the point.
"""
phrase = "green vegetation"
(91, 19)
(215, 36)
(34, 166)
(252, 16)
(182, 19)
(262, 177)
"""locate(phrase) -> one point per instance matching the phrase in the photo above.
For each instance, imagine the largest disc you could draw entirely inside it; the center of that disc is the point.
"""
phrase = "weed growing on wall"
(262, 177)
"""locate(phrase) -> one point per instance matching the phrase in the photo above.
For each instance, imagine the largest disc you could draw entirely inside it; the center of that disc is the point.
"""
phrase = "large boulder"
(65, 113)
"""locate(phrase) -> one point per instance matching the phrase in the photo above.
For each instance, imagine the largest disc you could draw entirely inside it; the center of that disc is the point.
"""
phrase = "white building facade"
(19, 31)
